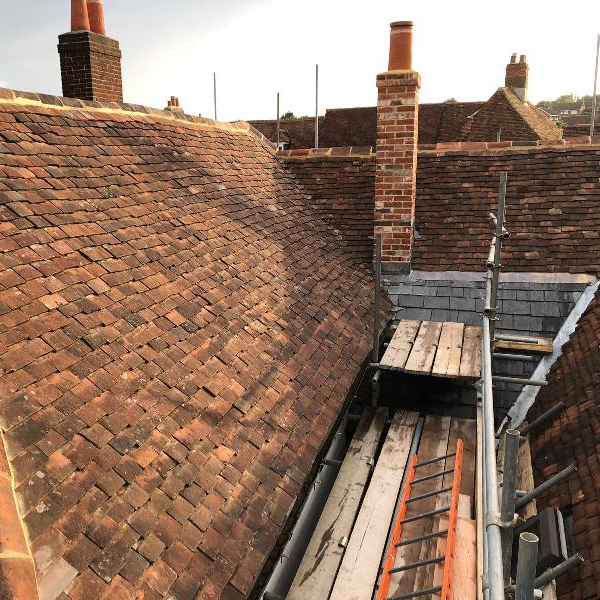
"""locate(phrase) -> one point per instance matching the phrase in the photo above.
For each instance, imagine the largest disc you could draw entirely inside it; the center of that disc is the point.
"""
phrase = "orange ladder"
(452, 509)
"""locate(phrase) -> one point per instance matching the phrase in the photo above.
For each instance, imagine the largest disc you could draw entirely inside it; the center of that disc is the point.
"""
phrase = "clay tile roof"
(574, 436)
(444, 121)
(552, 207)
(178, 331)
(517, 120)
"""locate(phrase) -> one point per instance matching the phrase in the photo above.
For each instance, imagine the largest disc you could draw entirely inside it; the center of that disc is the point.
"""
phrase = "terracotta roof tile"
(573, 436)
(178, 330)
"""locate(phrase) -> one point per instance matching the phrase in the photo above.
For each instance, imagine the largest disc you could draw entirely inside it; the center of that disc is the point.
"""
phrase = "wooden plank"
(434, 442)
(424, 349)
(447, 358)
(401, 344)
(464, 571)
(323, 556)
(360, 565)
(470, 362)
(539, 346)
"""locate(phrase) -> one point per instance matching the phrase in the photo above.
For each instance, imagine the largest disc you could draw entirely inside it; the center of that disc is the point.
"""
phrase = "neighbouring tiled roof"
(516, 120)
(341, 181)
(573, 436)
(179, 328)
(444, 121)
(298, 133)
(553, 196)
(342, 127)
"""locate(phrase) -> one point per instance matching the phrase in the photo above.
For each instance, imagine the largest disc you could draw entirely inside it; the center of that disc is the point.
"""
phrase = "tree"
(450, 101)
(288, 115)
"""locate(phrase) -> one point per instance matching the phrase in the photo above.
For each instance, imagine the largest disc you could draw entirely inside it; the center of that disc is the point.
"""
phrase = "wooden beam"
(401, 344)
(424, 349)
(323, 556)
(539, 346)
(359, 569)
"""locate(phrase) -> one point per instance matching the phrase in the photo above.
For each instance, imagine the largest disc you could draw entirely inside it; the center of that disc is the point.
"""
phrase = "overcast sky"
(260, 47)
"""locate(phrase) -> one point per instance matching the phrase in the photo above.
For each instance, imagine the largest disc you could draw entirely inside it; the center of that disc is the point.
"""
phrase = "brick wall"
(90, 66)
(342, 186)
(396, 166)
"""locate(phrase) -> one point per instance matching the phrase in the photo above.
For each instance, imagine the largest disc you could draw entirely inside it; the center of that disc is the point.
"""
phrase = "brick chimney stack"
(517, 75)
(90, 62)
(396, 170)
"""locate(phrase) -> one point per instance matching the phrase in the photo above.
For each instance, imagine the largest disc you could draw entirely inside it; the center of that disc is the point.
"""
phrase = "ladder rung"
(429, 494)
(432, 460)
(437, 511)
(416, 565)
(433, 590)
(422, 538)
(438, 474)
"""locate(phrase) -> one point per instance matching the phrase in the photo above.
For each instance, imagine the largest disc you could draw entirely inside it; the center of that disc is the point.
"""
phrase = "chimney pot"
(79, 16)
(96, 14)
(513, 58)
(400, 46)
(522, 59)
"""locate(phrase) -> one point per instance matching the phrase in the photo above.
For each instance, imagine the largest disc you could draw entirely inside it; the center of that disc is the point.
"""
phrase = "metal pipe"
(509, 487)
(495, 579)
(556, 572)
(516, 338)
(278, 121)
(505, 233)
(497, 251)
(560, 406)
(540, 489)
(520, 380)
(526, 565)
(285, 570)
(215, 93)
(490, 260)
(377, 316)
(519, 357)
(316, 106)
(593, 119)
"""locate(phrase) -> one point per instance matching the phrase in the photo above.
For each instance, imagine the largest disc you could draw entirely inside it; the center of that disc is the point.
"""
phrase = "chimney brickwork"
(396, 163)
(517, 75)
(90, 62)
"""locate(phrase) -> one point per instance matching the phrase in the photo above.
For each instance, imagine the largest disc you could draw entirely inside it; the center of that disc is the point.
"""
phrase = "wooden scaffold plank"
(323, 556)
(401, 344)
(358, 571)
(470, 364)
(449, 352)
(424, 349)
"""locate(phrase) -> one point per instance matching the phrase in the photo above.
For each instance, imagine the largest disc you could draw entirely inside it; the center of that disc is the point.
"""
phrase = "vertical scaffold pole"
(497, 251)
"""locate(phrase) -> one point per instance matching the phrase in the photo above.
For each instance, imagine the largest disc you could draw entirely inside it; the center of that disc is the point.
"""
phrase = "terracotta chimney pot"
(513, 58)
(96, 13)
(400, 46)
(522, 59)
(79, 16)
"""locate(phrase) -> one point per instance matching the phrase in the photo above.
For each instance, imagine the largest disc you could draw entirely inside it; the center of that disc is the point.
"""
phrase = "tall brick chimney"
(396, 170)
(517, 74)
(90, 62)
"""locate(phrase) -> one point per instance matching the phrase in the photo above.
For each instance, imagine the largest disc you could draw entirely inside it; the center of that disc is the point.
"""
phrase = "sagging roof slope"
(552, 208)
(573, 436)
(178, 331)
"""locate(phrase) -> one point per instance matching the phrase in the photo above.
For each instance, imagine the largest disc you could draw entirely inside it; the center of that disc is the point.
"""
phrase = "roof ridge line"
(10, 96)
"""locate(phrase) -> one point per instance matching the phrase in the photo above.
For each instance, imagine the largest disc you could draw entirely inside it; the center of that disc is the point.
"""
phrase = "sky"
(261, 47)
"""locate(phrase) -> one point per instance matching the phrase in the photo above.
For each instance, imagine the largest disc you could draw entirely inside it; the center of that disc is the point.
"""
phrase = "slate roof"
(517, 120)
(179, 328)
(552, 207)
(573, 436)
